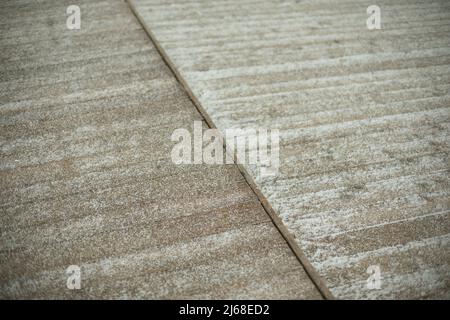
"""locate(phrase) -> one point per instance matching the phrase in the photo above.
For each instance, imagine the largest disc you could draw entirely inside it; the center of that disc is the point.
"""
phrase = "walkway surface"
(86, 176)
(364, 117)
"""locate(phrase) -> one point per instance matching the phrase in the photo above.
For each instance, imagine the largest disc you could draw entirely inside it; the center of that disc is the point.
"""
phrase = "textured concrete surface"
(364, 120)
(86, 176)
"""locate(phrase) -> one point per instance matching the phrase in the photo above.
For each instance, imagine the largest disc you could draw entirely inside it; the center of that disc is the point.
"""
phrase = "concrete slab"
(86, 176)
(364, 182)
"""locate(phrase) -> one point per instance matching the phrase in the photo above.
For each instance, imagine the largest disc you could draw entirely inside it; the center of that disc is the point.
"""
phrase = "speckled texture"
(86, 176)
(364, 121)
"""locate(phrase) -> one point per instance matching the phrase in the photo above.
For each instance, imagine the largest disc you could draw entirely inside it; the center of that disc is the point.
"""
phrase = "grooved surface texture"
(364, 119)
(86, 176)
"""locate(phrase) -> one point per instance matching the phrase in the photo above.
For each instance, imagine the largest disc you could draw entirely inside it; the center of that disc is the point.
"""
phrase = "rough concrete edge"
(309, 269)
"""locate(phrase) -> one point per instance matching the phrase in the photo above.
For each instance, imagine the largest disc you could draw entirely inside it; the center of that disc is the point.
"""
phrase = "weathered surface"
(86, 176)
(364, 119)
